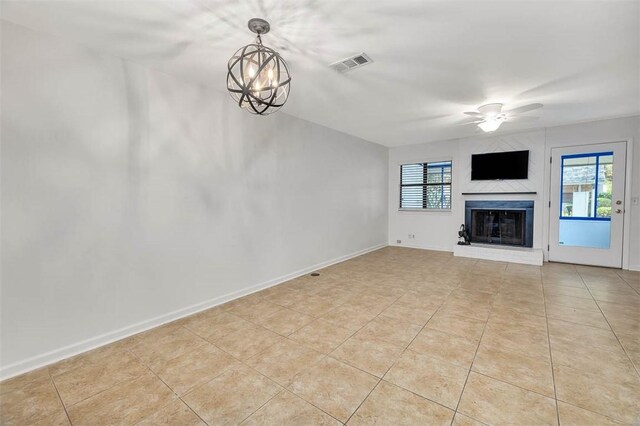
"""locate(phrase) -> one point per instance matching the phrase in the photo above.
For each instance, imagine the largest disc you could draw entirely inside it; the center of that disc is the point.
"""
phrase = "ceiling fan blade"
(524, 108)
(522, 118)
(465, 123)
(474, 114)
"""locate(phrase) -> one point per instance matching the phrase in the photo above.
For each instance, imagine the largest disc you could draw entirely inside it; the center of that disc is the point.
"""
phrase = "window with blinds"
(425, 186)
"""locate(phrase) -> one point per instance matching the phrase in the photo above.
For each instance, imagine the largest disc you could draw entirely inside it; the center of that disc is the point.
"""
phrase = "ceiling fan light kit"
(491, 124)
(258, 78)
(490, 116)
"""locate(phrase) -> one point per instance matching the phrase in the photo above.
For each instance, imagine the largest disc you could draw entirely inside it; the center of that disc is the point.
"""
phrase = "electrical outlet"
(411, 236)
(399, 241)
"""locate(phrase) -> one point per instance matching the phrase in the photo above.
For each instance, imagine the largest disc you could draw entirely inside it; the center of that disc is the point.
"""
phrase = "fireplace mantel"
(501, 193)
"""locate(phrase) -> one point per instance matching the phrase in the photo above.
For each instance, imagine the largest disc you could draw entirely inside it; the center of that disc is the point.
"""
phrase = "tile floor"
(397, 336)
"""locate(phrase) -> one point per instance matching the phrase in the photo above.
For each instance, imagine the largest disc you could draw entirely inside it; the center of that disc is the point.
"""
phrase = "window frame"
(595, 201)
(425, 164)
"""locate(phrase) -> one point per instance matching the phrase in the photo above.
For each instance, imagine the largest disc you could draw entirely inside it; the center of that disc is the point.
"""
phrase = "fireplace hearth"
(507, 223)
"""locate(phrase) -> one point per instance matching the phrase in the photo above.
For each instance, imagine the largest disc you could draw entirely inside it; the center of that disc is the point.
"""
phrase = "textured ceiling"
(432, 59)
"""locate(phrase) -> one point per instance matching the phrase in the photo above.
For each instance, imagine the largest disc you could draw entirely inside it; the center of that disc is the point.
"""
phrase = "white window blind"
(425, 186)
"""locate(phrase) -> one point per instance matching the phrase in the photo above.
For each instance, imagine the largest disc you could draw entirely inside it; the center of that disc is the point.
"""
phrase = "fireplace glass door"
(498, 227)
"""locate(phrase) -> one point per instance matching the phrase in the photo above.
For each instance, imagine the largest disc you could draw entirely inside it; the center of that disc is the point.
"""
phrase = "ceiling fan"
(491, 116)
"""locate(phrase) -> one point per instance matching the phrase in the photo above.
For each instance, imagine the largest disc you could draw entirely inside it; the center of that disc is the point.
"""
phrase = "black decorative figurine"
(463, 236)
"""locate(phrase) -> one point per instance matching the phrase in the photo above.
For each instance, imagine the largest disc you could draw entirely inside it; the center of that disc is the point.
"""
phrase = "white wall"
(130, 197)
(438, 230)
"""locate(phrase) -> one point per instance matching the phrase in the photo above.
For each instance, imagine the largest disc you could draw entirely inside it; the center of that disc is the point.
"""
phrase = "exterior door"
(587, 204)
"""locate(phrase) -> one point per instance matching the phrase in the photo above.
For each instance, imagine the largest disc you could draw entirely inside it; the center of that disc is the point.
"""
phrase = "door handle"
(618, 211)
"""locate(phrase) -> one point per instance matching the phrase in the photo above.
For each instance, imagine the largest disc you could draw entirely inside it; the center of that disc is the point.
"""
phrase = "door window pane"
(578, 186)
(605, 182)
(585, 200)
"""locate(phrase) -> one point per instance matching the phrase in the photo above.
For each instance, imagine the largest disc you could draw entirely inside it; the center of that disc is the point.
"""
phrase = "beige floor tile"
(400, 312)
(152, 335)
(256, 311)
(285, 321)
(216, 325)
(466, 308)
(508, 316)
(462, 420)
(174, 413)
(194, 368)
(561, 290)
(390, 330)
(232, 396)
(58, 419)
(282, 361)
(571, 415)
(391, 405)
(368, 354)
(321, 335)
(565, 334)
(615, 400)
(617, 369)
(577, 316)
(500, 309)
(90, 379)
(488, 285)
(445, 347)
(495, 402)
(334, 387)
(519, 305)
(245, 343)
(572, 302)
(429, 301)
(635, 359)
(18, 382)
(630, 342)
(155, 352)
(315, 305)
(531, 373)
(375, 303)
(125, 403)
(468, 328)
(428, 377)
(30, 403)
(349, 317)
(623, 323)
(95, 356)
(564, 281)
(287, 409)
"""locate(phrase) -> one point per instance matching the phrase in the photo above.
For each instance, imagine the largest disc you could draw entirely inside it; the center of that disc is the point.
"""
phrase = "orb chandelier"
(258, 78)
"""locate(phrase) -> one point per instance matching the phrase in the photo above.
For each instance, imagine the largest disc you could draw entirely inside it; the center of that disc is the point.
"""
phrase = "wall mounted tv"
(500, 165)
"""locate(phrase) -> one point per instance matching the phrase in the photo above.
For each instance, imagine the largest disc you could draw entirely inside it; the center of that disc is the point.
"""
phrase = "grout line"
(265, 403)
(285, 388)
(476, 352)
(59, 397)
(553, 374)
(106, 389)
(192, 410)
(343, 301)
(610, 326)
(365, 398)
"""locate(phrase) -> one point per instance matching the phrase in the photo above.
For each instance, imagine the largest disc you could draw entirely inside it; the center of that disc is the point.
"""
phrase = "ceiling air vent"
(351, 62)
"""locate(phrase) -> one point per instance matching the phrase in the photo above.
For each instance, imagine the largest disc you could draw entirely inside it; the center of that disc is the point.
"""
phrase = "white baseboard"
(634, 267)
(56, 355)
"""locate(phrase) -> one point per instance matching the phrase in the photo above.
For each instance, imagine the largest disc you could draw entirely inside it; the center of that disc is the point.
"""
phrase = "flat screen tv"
(500, 165)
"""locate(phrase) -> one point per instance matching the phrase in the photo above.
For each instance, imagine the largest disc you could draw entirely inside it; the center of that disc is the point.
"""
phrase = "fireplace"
(508, 223)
